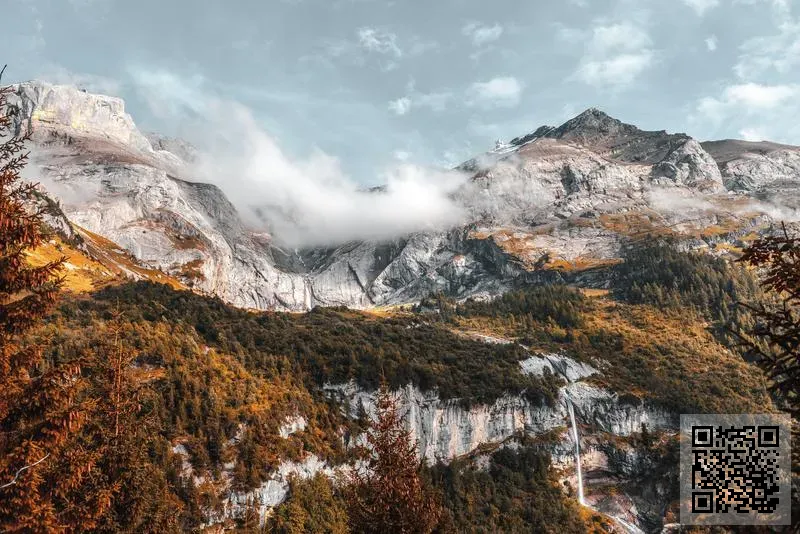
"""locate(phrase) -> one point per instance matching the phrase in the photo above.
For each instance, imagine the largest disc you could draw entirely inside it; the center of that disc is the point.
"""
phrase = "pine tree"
(120, 432)
(387, 494)
(39, 406)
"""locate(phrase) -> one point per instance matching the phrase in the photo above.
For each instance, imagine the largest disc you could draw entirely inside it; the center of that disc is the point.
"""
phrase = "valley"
(540, 352)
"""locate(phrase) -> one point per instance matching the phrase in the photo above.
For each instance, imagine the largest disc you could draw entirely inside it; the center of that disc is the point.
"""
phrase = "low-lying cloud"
(307, 202)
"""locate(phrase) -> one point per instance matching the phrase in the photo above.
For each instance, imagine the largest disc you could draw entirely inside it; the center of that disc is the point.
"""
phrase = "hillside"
(588, 301)
(244, 400)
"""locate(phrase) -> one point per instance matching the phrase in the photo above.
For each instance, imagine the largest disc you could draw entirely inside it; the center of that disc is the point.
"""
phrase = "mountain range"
(526, 377)
(555, 204)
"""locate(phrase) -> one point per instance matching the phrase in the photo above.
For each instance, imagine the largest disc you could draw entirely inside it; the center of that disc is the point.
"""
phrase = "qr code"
(735, 469)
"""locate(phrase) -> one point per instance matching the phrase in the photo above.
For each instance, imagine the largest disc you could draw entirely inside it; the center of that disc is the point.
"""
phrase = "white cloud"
(752, 134)
(779, 52)
(433, 101)
(570, 35)
(401, 106)
(92, 83)
(481, 34)
(619, 70)
(701, 6)
(379, 41)
(712, 43)
(436, 102)
(747, 98)
(498, 92)
(615, 37)
(302, 202)
(401, 155)
(755, 111)
(168, 94)
(616, 55)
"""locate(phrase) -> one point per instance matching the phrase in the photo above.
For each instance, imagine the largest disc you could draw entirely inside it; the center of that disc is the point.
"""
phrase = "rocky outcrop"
(446, 429)
(550, 196)
(47, 110)
(272, 492)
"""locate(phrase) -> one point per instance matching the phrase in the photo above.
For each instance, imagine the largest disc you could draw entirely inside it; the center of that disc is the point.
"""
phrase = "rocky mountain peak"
(592, 123)
(46, 109)
(602, 133)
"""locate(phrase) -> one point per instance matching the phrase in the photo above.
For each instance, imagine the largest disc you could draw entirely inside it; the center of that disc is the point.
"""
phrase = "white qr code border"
(705, 455)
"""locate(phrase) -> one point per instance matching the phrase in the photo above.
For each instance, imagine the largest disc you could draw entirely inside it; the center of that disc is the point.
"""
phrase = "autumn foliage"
(387, 493)
(774, 341)
(39, 411)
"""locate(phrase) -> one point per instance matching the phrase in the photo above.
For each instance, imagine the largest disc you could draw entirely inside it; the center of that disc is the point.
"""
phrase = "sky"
(370, 83)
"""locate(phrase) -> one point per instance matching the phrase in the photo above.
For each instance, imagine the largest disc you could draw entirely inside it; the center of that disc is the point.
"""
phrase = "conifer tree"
(39, 405)
(387, 494)
(120, 432)
(774, 340)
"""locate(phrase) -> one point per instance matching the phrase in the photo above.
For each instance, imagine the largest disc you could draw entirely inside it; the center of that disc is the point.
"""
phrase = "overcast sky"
(370, 82)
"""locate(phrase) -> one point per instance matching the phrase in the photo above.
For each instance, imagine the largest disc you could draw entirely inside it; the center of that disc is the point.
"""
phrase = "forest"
(142, 408)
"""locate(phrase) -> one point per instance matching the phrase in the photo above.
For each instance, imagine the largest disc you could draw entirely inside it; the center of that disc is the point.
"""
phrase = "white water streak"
(578, 470)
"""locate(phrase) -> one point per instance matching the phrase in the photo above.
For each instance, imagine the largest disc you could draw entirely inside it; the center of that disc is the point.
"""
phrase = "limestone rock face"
(445, 430)
(62, 109)
(566, 195)
(691, 166)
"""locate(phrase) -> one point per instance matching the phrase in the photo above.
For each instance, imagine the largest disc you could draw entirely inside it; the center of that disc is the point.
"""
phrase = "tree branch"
(19, 472)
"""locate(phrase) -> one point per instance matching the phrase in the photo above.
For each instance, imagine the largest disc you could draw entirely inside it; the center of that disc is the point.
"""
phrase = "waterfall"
(578, 470)
(627, 527)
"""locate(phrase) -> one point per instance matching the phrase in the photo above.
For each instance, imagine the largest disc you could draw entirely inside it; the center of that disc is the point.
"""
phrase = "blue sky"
(372, 82)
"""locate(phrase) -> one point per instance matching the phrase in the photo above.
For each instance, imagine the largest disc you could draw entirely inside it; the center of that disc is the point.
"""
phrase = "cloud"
(435, 101)
(746, 98)
(401, 106)
(675, 199)
(754, 111)
(712, 43)
(701, 6)
(301, 202)
(379, 41)
(481, 34)
(779, 52)
(616, 37)
(168, 94)
(619, 70)
(616, 55)
(370, 46)
(94, 84)
(498, 92)
(752, 134)
(569, 35)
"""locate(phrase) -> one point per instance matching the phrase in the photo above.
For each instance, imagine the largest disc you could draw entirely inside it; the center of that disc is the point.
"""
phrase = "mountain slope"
(554, 204)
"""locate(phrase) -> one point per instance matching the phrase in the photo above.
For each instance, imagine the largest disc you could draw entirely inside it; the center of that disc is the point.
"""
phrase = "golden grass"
(103, 263)
(594, 293)
(81, 273)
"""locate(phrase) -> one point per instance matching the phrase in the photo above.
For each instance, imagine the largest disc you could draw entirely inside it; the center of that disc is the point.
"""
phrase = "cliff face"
(557, 202)
(445, 430)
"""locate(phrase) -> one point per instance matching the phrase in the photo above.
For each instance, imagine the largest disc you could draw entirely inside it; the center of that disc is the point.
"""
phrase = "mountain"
(253, 412)
(554, 204)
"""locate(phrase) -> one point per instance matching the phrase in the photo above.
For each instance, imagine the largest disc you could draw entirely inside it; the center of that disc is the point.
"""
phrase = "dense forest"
(140, 408)
(220, 381)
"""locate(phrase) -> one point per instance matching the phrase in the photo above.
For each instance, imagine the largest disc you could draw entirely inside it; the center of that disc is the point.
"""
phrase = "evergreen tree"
(386, 494)
(774, 339)
(39, 407)
(121, 431)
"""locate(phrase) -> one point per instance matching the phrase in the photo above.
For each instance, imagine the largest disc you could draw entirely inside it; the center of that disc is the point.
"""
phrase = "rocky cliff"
(557, 202)
(446, 430)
